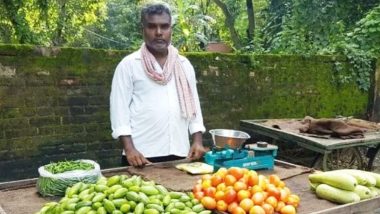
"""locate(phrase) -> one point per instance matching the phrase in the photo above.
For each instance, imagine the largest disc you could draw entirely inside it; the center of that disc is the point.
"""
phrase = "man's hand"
(197, 149)
(134, 157)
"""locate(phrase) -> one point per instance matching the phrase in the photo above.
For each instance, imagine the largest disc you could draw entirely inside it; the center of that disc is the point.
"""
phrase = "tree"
(120, 30)
(193, 26)
(54, 22)
(229, 21)
(15, 17)
(251, 20)
(310, 26)
(275, 15)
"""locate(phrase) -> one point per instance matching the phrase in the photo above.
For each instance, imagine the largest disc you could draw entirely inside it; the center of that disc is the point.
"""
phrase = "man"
(154, 101)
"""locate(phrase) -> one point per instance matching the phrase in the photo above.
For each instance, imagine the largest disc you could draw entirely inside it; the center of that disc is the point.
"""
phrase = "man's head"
(156, 23)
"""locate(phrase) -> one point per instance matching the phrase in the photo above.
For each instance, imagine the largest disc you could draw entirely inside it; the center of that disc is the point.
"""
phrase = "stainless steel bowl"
(233, 138)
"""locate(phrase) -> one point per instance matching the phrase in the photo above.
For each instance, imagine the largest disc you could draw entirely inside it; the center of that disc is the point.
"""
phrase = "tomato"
(216, 180)
(272, 201)
(236, 172)
(230, 196)
(288, 209)
(265, 194)
(229, 180)
(268, 208)
(245, 171)
(208, 202)
(263, 181)
(232, 206)
(206, 177)
(255, 189)
(219, 195)
(222, 172)
(246, 204)
(210, 191)
(281, 184)
(253, 178)
(274, 179)
(238, 185)
(293, 200)
(229, 188)
(258, 198)
(284, 195)
(221, 186)
(197, 188)
(238, 210)
(206, 184)
(221, 205)
(244, 179)
(280, 205)
(273, 191)
(243, 194)
(256, 210)
(287, 190)
(199, 195)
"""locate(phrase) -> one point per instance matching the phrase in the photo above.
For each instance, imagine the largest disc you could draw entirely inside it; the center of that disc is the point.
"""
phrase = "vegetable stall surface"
(295, 177)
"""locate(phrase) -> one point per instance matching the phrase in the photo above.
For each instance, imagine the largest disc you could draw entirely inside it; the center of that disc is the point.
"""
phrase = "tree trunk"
(58, 38)
(230, 23)
(251, 20)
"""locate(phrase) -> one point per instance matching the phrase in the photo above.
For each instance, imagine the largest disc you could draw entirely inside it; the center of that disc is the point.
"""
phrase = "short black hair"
(154, 9)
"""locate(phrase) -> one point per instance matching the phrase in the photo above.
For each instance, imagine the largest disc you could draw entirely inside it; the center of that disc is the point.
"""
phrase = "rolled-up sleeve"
(196, 125)
(120, 99)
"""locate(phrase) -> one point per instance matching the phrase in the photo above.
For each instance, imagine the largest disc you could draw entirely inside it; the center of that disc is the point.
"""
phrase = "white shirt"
(150, 112)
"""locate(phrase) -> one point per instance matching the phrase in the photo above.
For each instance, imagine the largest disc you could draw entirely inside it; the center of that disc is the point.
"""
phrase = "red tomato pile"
(242, 191)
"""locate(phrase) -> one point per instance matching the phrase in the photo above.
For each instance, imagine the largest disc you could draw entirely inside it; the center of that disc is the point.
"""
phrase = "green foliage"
(193, 27)
(303, 26)
(121, 29)
(115, 23)
(361, 46)
(326, 27)
(366, 33)
(347, 27)
(56, 22)
(273, 14)
(74, 18)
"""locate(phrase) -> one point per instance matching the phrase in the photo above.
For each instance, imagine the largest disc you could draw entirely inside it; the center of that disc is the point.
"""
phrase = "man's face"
(157, 32)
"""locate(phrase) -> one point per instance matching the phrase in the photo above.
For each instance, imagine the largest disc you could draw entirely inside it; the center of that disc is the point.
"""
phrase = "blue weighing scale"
(227, 152)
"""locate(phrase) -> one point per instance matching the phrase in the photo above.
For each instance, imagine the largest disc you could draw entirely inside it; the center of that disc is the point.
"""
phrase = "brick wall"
(54, 102)
(54, 106)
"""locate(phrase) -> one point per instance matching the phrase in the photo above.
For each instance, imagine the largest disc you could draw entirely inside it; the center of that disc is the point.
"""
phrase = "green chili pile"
(64, 166)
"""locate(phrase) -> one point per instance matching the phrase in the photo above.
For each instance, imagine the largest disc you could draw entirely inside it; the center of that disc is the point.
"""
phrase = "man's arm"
(196, 126)
(120, 99)
(197, 149)
(134, 157)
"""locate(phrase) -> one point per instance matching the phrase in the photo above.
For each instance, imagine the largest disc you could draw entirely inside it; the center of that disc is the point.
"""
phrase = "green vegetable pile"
(345, 185)
(122, 194)
(64, 166)
(56, 177)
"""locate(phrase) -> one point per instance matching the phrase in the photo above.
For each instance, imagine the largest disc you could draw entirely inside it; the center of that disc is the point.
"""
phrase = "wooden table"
(325, 147)
(20, 197)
